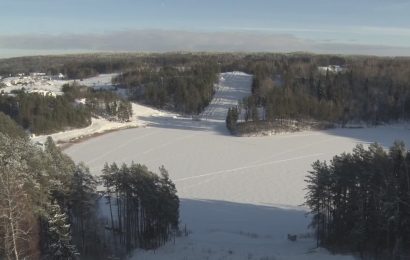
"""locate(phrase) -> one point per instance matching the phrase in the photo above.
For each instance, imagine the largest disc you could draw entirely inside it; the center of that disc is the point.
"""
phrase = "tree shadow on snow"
(186, 124)
(384, 135)
(255, 221)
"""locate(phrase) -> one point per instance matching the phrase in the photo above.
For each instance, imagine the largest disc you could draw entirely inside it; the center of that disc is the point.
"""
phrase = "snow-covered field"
(240, 196)
(102, 81)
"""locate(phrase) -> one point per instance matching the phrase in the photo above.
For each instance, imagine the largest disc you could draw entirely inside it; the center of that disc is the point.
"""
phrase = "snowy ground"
(102, 81)
(240, 196)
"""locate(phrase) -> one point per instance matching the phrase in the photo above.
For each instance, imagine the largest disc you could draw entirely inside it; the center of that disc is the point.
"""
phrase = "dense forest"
(44, 114)
(367, 90)
(47, 114)
(185, 89)
(360, 202)
(50, 208)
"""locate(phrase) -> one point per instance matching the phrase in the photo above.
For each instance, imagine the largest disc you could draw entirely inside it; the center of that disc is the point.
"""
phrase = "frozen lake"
(238, 193)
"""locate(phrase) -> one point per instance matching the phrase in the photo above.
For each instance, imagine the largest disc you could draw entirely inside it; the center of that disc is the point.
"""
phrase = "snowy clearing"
(102, 81)
(240, 197)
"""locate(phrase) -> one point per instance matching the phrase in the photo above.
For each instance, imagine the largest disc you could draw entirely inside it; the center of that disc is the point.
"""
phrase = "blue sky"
(316, 25)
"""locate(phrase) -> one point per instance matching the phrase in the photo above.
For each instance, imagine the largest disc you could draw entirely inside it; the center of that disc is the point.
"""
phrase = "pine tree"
(231, 119)
(59, 241)
(361, 201)
(83, 204)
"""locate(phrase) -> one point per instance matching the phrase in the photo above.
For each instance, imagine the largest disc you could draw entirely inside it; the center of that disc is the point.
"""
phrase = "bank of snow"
(101, 125)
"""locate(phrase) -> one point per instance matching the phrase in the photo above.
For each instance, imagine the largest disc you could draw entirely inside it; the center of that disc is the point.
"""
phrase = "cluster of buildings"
(35, 82)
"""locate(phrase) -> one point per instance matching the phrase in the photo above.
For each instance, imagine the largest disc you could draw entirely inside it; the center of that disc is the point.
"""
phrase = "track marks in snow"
(163, 145)
(119, 147)
(248, 167)
(258, 163)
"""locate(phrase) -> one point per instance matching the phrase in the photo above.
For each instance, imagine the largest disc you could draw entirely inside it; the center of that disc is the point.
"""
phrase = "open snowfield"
(102, 81)
(240, 196)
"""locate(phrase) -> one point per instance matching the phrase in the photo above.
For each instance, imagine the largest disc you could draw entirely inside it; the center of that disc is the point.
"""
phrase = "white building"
(331, 69)
(42, 92)
(80, 101)
(37, 74)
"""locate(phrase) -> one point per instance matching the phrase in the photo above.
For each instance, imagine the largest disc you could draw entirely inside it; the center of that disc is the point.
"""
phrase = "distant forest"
(185, 89)
(287, 88)
(370, 90)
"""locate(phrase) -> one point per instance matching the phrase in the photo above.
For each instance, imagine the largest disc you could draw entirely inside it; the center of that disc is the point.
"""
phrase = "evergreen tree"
(59, 241)
(82, 206)
(231, 119)
(360, 201)
(9, 127)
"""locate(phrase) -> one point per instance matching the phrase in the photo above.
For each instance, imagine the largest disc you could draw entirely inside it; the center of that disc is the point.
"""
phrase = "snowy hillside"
(240, 197)
(232, 87)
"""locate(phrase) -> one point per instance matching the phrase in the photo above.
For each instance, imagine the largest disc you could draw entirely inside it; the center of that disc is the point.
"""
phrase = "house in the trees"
(331, 69)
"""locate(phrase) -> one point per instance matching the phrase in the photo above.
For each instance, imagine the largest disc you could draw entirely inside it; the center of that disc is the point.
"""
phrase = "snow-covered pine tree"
(59, 244)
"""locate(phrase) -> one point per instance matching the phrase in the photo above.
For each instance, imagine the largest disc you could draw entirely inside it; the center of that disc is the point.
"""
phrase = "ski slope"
(232, 87)
(240, 196)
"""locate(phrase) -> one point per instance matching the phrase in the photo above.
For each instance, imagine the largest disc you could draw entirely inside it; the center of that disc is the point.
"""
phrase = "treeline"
(361, 202)
(100, 103)
(44, 114)
(80, 66)
(50, 208)
(185, 89)
(368, 89)
(72, 66)
(143, 206)
(41, 114)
